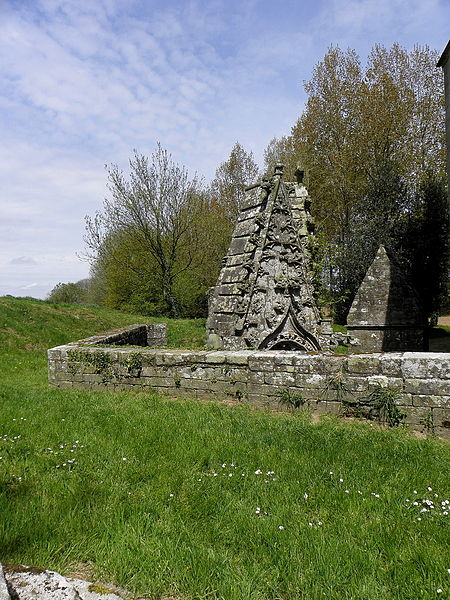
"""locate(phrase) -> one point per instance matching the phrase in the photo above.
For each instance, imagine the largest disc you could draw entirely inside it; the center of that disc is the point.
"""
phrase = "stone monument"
(386, 314)
(264, 294)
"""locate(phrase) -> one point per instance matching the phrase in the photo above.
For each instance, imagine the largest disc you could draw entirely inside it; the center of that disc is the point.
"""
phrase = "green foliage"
(230, 180)
(152, 216)
(291, 399)
(71, 293)
(370, 139)
(132, 364)
(27, 324)
(426, 245)
(100, 361)
(384, 400)
(336, 386)
(428, 423)
(160, 523)
(157, 245)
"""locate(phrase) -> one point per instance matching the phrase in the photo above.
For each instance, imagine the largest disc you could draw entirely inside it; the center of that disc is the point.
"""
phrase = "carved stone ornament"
(264, 294)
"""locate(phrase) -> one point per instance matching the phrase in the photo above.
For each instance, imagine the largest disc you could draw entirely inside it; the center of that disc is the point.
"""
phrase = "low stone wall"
(151, 334)
(324, 383)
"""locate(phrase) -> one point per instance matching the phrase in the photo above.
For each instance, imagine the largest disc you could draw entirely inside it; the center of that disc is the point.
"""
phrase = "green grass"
(160, 522)
(27, 324)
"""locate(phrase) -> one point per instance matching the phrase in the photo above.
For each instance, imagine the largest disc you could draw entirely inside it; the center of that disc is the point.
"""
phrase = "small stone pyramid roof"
(385, 297)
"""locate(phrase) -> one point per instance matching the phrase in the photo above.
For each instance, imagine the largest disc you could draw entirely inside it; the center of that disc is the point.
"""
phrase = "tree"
(426, 244)
(231, 178)
(71, 293)
(146, 226)
(368, 139)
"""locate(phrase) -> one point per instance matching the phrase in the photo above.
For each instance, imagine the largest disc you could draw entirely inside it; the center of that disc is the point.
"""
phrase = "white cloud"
(85, 82)
(22, 260)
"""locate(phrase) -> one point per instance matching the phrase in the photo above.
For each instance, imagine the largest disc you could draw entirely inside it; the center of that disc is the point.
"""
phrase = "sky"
(85, 82)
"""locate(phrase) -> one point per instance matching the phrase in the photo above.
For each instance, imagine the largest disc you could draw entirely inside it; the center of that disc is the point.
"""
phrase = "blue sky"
(83, 83)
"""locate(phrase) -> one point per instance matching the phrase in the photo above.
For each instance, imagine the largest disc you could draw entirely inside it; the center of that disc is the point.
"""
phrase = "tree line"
(372, 142)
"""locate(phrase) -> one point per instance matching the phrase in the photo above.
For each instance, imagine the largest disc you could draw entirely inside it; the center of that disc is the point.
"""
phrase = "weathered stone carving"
(386, 314)
(264, 295)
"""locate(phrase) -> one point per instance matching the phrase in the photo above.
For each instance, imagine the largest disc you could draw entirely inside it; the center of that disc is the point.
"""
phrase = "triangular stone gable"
(264, 295)
(386, 313)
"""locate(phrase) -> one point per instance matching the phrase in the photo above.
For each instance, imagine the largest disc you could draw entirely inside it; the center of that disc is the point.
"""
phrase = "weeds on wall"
(428, 423)
(291, 399)
(103, 365)
(384, 402)
(336, 387)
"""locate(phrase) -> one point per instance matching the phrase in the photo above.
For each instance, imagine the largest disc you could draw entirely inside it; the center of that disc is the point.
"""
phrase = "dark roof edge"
(444, 55)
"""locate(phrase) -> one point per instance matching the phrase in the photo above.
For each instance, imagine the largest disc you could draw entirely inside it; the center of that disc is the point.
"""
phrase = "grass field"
(183, 499)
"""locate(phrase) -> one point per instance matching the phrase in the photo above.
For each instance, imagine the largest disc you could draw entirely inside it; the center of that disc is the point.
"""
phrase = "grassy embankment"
(201, 500)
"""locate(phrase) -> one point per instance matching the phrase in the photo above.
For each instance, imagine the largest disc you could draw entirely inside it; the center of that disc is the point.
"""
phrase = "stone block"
(262, 389)
(304, 363)
(238, 357)
(149, 371)
(64, 384)
(159, 381)
(431, 401)
(196, 384)
(237, 246)
(261, 362)
(320, 407)
(442, 432)
(391, 365)
(256, 376)
(251, 213)
(282, 360)
(357, 384)
(441, 417)
(404, 400)
(426, 365)
(156, 334)
(261, 400)
(415, 415)
(375, 381)
(281, 379)
(215, 358)
(230, 374)
(369, 364)
(427, 387)
(310, 381)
